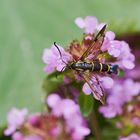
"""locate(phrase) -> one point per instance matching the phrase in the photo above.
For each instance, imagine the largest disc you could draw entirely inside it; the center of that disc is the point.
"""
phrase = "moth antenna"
(59, 53)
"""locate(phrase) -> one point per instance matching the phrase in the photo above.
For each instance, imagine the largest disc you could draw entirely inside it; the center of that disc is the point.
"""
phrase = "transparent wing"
(97, 43)
(94, 85)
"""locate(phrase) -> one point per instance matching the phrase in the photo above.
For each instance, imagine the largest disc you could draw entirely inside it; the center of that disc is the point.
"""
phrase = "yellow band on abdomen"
(92, 66)
(101, 67)
(108, 68)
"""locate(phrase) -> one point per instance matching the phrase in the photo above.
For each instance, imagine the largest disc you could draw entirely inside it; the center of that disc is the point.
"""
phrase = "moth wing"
(97, 43)
(94, 86)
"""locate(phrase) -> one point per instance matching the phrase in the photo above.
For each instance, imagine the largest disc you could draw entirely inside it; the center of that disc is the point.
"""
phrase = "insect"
(88, 69)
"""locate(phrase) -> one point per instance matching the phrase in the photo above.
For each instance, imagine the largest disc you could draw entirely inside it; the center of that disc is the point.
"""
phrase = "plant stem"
(95, 126)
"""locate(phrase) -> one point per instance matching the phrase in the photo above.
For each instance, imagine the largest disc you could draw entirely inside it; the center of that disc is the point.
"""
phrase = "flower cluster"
(123, 107)
(121, 93)
(63, 122)
(131, 137)
(107, 50)
(15, 119)
(115, 48)
(53, 60)
(71, 113)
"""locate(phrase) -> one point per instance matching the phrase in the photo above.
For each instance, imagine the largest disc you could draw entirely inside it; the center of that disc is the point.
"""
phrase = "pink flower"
(34, 119)
(121, 93)
(115, 48)
(76, 125)
(128, 84)
(133, 136)
(56, 130)
(32, 137)
(53, 99)
(15, 119)
(53, 60)
(17, 136)
(136, 120)
(110, 111)
(118, 49)
(67, 108)
(79, 133)
(126, 58)
(109, 36)
(89, 24)
(107, 82)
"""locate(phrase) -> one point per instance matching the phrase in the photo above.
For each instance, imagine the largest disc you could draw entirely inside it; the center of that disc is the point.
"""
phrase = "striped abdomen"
(95, 67)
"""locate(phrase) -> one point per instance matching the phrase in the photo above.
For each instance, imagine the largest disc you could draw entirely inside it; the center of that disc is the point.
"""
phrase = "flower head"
(97, 46)
(89, 24)
(52, 58)
(17, 136)
(120, 94)
(133, 136)
(15, 119)
(123, 107)
(63, 121)
(71, 113)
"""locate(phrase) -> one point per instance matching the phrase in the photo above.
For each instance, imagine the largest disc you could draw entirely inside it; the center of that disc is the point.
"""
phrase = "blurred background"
(29, 26)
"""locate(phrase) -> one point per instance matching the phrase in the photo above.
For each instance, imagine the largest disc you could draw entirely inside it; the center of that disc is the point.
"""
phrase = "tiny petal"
(130, 108)
(47, 54)
(133, 136)
(90, 24)
(136, 120)
(56, 131)
(49, 69)
(15, 118)
(61, 67)
(107, 82)
(128, 64)
(68, 107)
(80, 22)
(80, 132)
(17, 136)
(9, 130)
(52, 100)
(106, 44)
(34, 119)
(83, 131)
(109, 111)
(129, 83)
(114, 51)
(110, 35)
(86, 89)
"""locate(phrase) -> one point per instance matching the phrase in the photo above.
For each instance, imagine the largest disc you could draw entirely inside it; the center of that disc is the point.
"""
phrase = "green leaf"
(86, 104)
(115, 133)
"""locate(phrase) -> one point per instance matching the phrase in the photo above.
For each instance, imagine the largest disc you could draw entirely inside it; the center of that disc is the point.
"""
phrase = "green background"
(29, 26)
